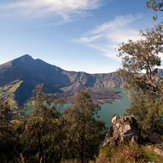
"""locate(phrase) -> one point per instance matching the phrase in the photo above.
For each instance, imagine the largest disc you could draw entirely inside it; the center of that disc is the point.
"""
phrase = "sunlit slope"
(35, 71)
(8, 92)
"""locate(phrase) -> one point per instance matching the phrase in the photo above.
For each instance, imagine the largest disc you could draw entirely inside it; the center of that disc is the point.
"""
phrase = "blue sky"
(80, 35)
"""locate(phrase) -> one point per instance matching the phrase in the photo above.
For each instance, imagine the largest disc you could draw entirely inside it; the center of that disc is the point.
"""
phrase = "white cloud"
(39, 8)
(107, 36)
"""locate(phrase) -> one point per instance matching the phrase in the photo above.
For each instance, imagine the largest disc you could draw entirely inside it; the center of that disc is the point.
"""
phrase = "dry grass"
(132, 153)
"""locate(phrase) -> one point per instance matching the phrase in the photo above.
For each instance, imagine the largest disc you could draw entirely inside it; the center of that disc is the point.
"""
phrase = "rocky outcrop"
(123, 130)
(154, 139)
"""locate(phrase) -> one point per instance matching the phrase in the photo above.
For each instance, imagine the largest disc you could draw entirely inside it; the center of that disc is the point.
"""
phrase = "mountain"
(29, 72)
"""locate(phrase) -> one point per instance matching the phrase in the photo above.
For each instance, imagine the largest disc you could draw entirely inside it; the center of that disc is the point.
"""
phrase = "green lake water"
(118, 107)
(107, 110)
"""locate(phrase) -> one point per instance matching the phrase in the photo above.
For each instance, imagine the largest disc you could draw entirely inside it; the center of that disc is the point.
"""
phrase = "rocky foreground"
(123, 130)
(123, 144)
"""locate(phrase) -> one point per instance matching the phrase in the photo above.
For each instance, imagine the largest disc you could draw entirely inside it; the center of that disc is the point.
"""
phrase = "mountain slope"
(35, 71)
(8, 92)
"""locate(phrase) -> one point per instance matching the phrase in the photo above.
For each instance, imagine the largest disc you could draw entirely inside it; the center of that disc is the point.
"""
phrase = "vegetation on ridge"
(8, 92)
(140, 60)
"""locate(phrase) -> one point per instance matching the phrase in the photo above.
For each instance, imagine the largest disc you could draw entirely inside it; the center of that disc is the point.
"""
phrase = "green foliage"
(139, 60)
(155, 5)
(84, 131)
(142, 56)
(45, 135)
(9, 135)
(4, 111)
(42, 130)
(148, 112)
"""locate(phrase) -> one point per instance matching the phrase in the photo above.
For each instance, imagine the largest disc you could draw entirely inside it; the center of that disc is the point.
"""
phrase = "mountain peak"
(35, 71)
(23, 59)
(25, 56)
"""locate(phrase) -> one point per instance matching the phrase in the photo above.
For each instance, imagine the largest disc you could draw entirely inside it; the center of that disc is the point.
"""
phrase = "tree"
(4, 111)
(84, 131)
(9, 136)
(155, 5)
(140, 61)
(42, 130)
(148, 112)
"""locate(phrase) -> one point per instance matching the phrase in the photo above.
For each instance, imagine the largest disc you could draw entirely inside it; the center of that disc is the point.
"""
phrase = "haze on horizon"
(79, 35)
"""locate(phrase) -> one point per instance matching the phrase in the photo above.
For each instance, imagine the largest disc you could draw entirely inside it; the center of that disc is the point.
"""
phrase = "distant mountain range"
(27, 72)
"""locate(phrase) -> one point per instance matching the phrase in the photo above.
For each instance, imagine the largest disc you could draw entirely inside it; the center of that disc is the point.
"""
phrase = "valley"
(29, 72)
(19, 77)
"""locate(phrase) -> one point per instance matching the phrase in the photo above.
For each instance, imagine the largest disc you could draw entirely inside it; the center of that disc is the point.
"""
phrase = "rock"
(108, 137)
(127, 128)
(123, 130)
(158, 151)
(154, 139)
(115, 118)
(117, 125)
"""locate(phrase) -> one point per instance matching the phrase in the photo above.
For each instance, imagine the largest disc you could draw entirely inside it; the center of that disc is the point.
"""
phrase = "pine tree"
(42, 131)
(84, 131)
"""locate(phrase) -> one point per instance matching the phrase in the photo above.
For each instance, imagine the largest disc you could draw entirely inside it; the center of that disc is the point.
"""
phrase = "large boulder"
(123, 130)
